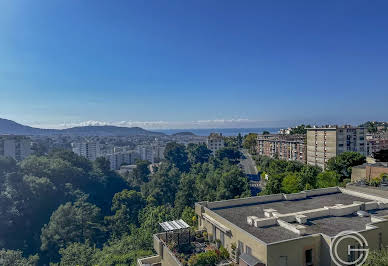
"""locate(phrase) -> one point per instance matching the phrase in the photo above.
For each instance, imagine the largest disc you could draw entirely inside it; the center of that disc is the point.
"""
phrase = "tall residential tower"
(327, 142)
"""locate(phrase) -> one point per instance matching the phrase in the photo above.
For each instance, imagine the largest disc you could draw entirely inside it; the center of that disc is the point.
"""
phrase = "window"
(309, 257)
(222, 238)
(240, 247)
(248, 250)
(283, 261)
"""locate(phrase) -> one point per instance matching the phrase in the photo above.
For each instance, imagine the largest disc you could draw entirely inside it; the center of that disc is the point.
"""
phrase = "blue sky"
(193, 64)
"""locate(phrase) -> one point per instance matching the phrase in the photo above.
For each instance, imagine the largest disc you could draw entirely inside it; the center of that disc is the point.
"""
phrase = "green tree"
(233, 184)
(377, 257)
(342, 164)
(327, 179)
(232, 154)
(265, 132)
(78, 222)
(250, 142)
(300, 130)
(15, 258)
(274, 184)
(176, 154)
(291, 183)
(141, 172)
(189, 216)
(163, 185)
(308, 176)
(124, 251)
(7, 165)
(126, 206)
(77, 254)
(186, 195)
(151, 216)
(239, 140)
(198, 153)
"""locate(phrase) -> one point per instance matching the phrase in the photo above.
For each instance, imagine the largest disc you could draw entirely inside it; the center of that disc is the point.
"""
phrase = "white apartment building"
(16, 147)
(215, 142)
(145, 152)
(328, 142)
(119, 158)
(89, 150)
(157, 153)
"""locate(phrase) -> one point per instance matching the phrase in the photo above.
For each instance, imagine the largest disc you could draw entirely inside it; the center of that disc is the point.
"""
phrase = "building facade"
(118, 159)
(215, 142)
(376, 142)
(17, 147)
(328, 142)
(288, 229)
(368, 171)
(285, 147)
(89, 150)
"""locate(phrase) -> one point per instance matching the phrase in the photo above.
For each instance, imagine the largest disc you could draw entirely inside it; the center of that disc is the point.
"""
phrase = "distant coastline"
(224, 131)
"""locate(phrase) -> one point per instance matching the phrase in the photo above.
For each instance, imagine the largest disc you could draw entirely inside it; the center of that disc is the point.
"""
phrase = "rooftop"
(329, 225)
(377, 164)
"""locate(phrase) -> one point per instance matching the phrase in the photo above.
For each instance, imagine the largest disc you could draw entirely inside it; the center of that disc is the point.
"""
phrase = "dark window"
(222, 238)
(248, 250)
(309, 257)
(240, 247)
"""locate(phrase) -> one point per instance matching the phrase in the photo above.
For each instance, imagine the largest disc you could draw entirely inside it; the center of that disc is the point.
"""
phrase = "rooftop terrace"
(326, 222)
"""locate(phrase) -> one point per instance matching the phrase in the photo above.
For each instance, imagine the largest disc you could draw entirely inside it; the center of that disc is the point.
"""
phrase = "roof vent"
(363, 214)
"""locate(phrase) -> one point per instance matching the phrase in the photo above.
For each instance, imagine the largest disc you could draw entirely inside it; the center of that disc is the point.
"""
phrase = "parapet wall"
(244, 201)
(322, 191)
(269, 198)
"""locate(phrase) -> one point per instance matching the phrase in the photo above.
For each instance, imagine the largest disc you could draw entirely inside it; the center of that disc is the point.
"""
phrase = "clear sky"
(188, 64)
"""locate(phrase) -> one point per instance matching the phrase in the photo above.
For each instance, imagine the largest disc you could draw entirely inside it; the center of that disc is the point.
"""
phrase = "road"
(249, 168)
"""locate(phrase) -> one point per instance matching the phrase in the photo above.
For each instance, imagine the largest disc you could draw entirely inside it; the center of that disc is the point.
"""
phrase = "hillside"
(11, 127)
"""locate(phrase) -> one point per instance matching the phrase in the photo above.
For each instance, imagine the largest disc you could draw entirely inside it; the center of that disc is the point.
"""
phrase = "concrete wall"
(372, 193)
(358, 174)
(167, 258)
(152, 260)
(266, 198)
(322, 191)
(375, 171)
(294, 250)
(243, 201)
(258, 247)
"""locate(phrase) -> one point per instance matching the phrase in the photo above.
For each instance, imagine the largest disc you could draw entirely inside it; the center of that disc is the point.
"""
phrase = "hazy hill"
(11, 127)
(183, 134)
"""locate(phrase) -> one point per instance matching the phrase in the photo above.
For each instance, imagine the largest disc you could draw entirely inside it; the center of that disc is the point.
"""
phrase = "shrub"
(375, 182)
(208, 258)
(224, 254)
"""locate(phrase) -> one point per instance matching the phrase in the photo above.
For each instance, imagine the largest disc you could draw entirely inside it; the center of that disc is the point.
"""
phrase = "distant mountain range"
(11, 127)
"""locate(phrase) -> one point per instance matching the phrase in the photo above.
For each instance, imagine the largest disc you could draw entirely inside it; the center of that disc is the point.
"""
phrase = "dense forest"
(61, 209)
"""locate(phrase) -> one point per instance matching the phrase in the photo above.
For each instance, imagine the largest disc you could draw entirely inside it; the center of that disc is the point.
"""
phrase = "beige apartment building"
(328, 142)
(17, 147)
(285, 147)
(215, 142)
(288, 229)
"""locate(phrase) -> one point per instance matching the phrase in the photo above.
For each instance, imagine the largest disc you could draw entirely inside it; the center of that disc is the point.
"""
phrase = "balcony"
(186, 247)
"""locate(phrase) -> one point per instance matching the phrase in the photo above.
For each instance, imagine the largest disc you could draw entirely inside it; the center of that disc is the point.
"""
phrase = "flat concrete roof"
(329, 225)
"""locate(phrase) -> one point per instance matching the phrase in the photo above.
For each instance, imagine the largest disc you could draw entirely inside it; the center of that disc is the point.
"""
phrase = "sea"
(224, 131)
